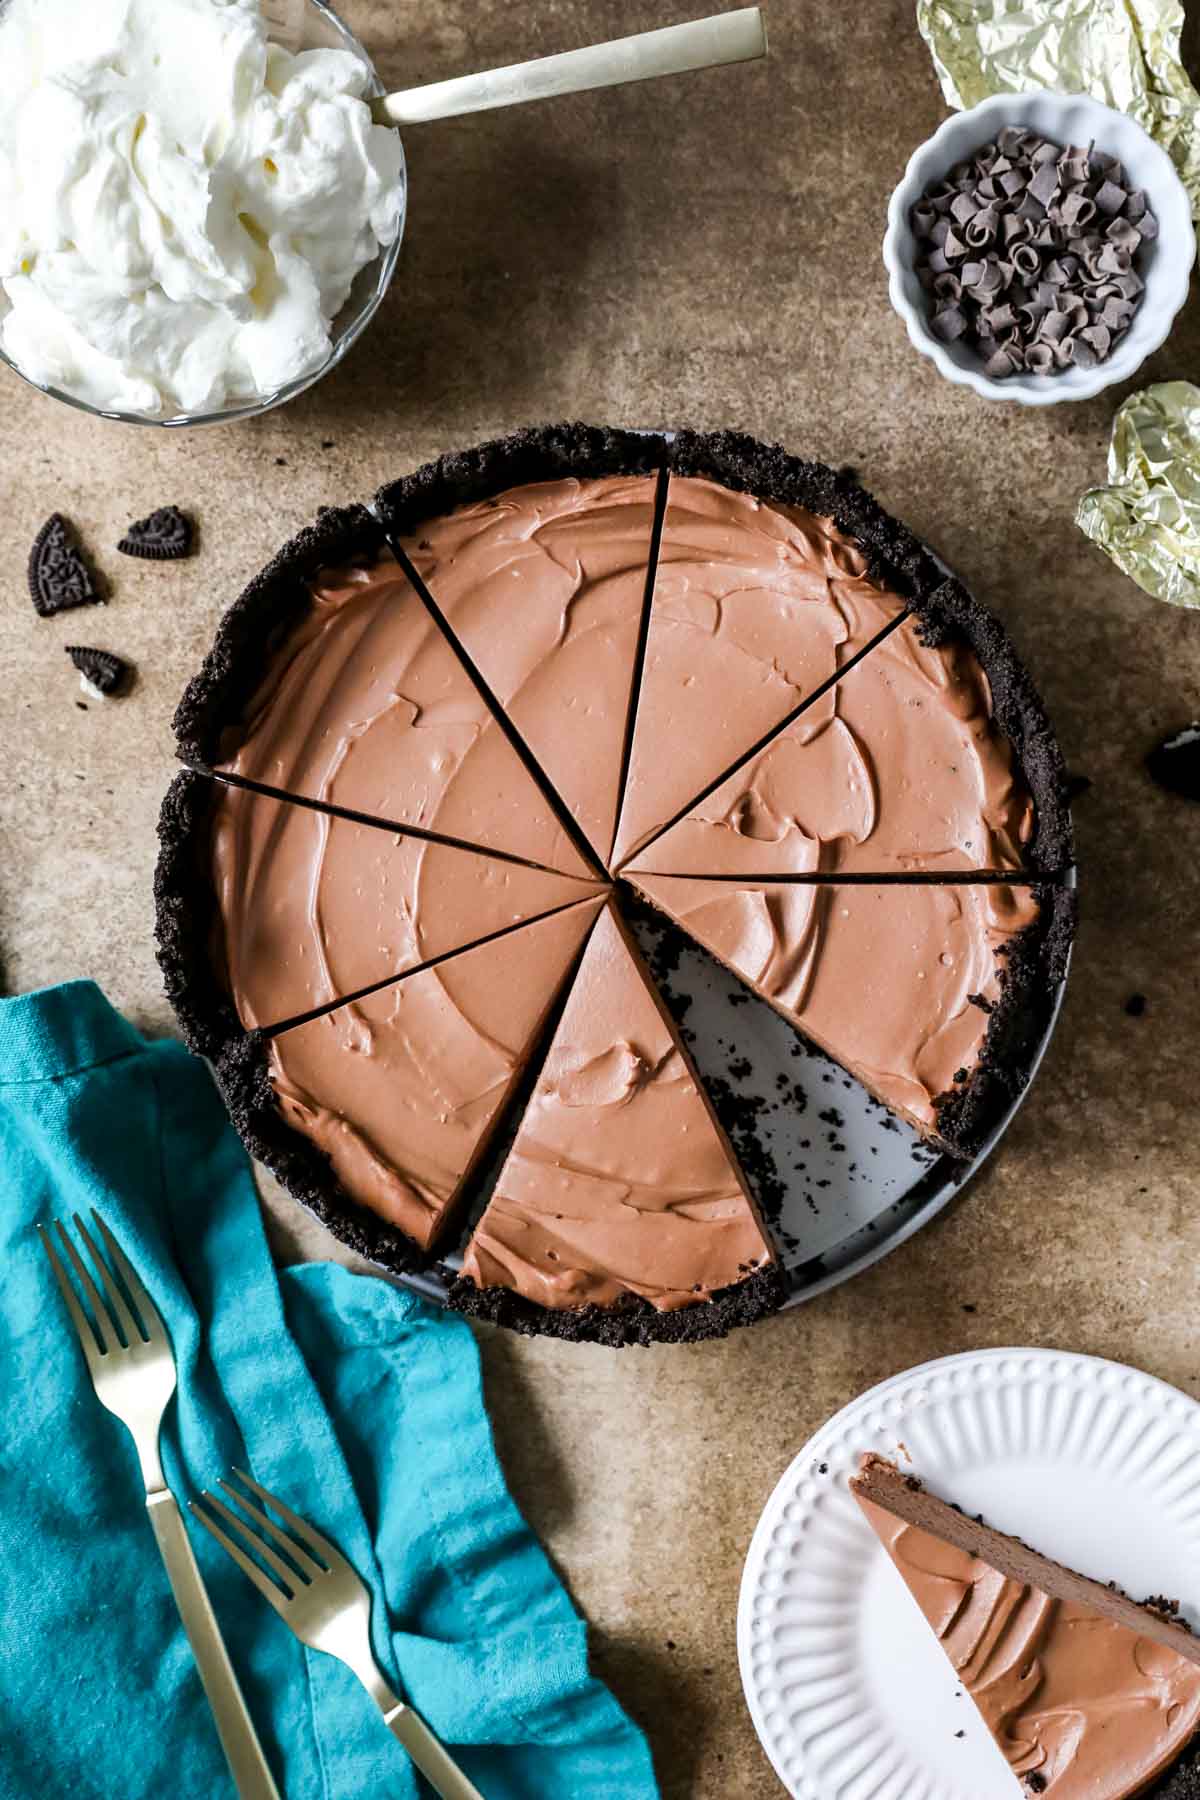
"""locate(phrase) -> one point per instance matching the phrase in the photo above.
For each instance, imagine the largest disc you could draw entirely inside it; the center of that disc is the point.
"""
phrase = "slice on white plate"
(849, 1690)
(1088, 1694)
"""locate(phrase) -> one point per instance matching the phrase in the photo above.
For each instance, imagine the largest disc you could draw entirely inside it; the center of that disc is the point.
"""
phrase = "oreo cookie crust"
(1032, 971)
(541, 453)
(209, 719)
(186, 924)
(946, 612)
(1182, 1781)
(637, 1322)
(245, 1084)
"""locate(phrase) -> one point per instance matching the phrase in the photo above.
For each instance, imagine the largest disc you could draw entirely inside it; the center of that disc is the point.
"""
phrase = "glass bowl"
(297, 25)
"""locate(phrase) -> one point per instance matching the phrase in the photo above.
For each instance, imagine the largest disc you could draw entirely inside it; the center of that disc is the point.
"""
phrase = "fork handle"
(235, 1728)
(431, 1757)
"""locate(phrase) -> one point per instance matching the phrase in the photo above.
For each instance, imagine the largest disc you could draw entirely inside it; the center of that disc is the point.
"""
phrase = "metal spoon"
(706, 43)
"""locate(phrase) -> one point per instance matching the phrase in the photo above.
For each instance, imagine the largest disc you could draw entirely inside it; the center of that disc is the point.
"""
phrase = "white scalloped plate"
(850, 1693)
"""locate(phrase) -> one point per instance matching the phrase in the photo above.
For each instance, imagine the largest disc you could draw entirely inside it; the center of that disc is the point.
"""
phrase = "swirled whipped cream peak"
(184, 205)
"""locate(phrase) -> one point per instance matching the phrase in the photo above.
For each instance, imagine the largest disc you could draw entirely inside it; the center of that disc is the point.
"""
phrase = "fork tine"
(149, 1315)
(117, 1303)
(104, 1327)
(308, 1563)
(288, 1576)
(266, 1587)
(80, 1320)
(330, 1553)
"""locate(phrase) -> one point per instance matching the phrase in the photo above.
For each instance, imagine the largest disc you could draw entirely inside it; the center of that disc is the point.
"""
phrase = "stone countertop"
(705, 251)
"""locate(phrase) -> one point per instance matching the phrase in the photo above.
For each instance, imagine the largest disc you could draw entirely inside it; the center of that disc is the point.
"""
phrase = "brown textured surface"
(656, 256)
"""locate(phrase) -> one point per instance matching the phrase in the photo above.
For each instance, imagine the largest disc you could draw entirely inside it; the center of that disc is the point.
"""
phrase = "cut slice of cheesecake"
(403, 1090)
(755, 606)
(1089, 1695)
(367, 706)
(544, 586)
(620, 1185)
(899, 984)
(312, 907)
(898, 769)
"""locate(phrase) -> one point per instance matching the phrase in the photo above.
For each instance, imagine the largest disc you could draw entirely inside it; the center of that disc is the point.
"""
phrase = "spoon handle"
(728, 38)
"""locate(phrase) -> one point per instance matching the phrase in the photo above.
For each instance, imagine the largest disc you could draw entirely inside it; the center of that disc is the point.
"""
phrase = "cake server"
(129, 1358)
(327, 1604)
(730, 37)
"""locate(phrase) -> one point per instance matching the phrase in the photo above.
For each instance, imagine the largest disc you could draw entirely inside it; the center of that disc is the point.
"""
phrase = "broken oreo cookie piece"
(1175, 763)
(103, 671)
(163, 536)
(59, 577)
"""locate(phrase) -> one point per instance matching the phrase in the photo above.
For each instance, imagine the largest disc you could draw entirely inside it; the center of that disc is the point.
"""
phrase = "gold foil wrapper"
(1122, 52)
(1148, 517)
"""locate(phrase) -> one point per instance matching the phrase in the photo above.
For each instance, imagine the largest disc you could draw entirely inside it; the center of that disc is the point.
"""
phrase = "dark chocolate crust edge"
(1182, 1779)
(214, 702)
(1032, 972)
(755, 1298)
(535, 453)
(895, 555)
(945, 609)
(185, 916)
(951, 613)
(304, 1170)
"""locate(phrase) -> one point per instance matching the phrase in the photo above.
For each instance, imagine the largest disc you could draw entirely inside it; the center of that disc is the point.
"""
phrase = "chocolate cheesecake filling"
(313, 907)
(544, 586)
(898, 768)
(402, 1090)
(1089, 1696)
(894, 983)
(754, 607)
(620, 1182)
(367, 707)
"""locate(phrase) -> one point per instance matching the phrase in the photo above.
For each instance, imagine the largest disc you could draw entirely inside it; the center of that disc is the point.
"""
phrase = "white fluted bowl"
(1164, 263)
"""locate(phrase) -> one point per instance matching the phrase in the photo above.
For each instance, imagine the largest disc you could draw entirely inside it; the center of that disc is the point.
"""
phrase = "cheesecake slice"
(930, 995)
(620, 1187)
(1088, 1695)
(755, 605)
(402, 1091)
(365, 705)
(544, 586)
(312, 907)
(899, 768)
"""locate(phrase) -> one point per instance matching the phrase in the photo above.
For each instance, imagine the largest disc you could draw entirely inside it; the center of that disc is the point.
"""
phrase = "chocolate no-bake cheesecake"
(1089, 1695)
(564, 665)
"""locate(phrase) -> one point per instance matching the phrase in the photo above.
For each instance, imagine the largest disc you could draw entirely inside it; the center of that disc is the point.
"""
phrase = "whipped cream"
(184, 205)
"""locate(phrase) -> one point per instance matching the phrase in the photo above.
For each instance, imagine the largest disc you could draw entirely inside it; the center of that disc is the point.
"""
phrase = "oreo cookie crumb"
(164, 535)
(1135, 1006)
(104, 672)
(1175, 763)
(59, 576)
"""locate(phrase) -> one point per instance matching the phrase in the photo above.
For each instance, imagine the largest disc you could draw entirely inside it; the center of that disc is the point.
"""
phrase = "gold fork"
(322, 1597)
(129, 1358)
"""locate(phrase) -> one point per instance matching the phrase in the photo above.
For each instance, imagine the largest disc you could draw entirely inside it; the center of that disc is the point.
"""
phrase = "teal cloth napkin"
(359, 1404)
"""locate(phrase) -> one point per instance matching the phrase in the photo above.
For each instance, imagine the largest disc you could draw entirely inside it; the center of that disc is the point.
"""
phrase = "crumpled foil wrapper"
(1148, 517)
(1122, 52)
